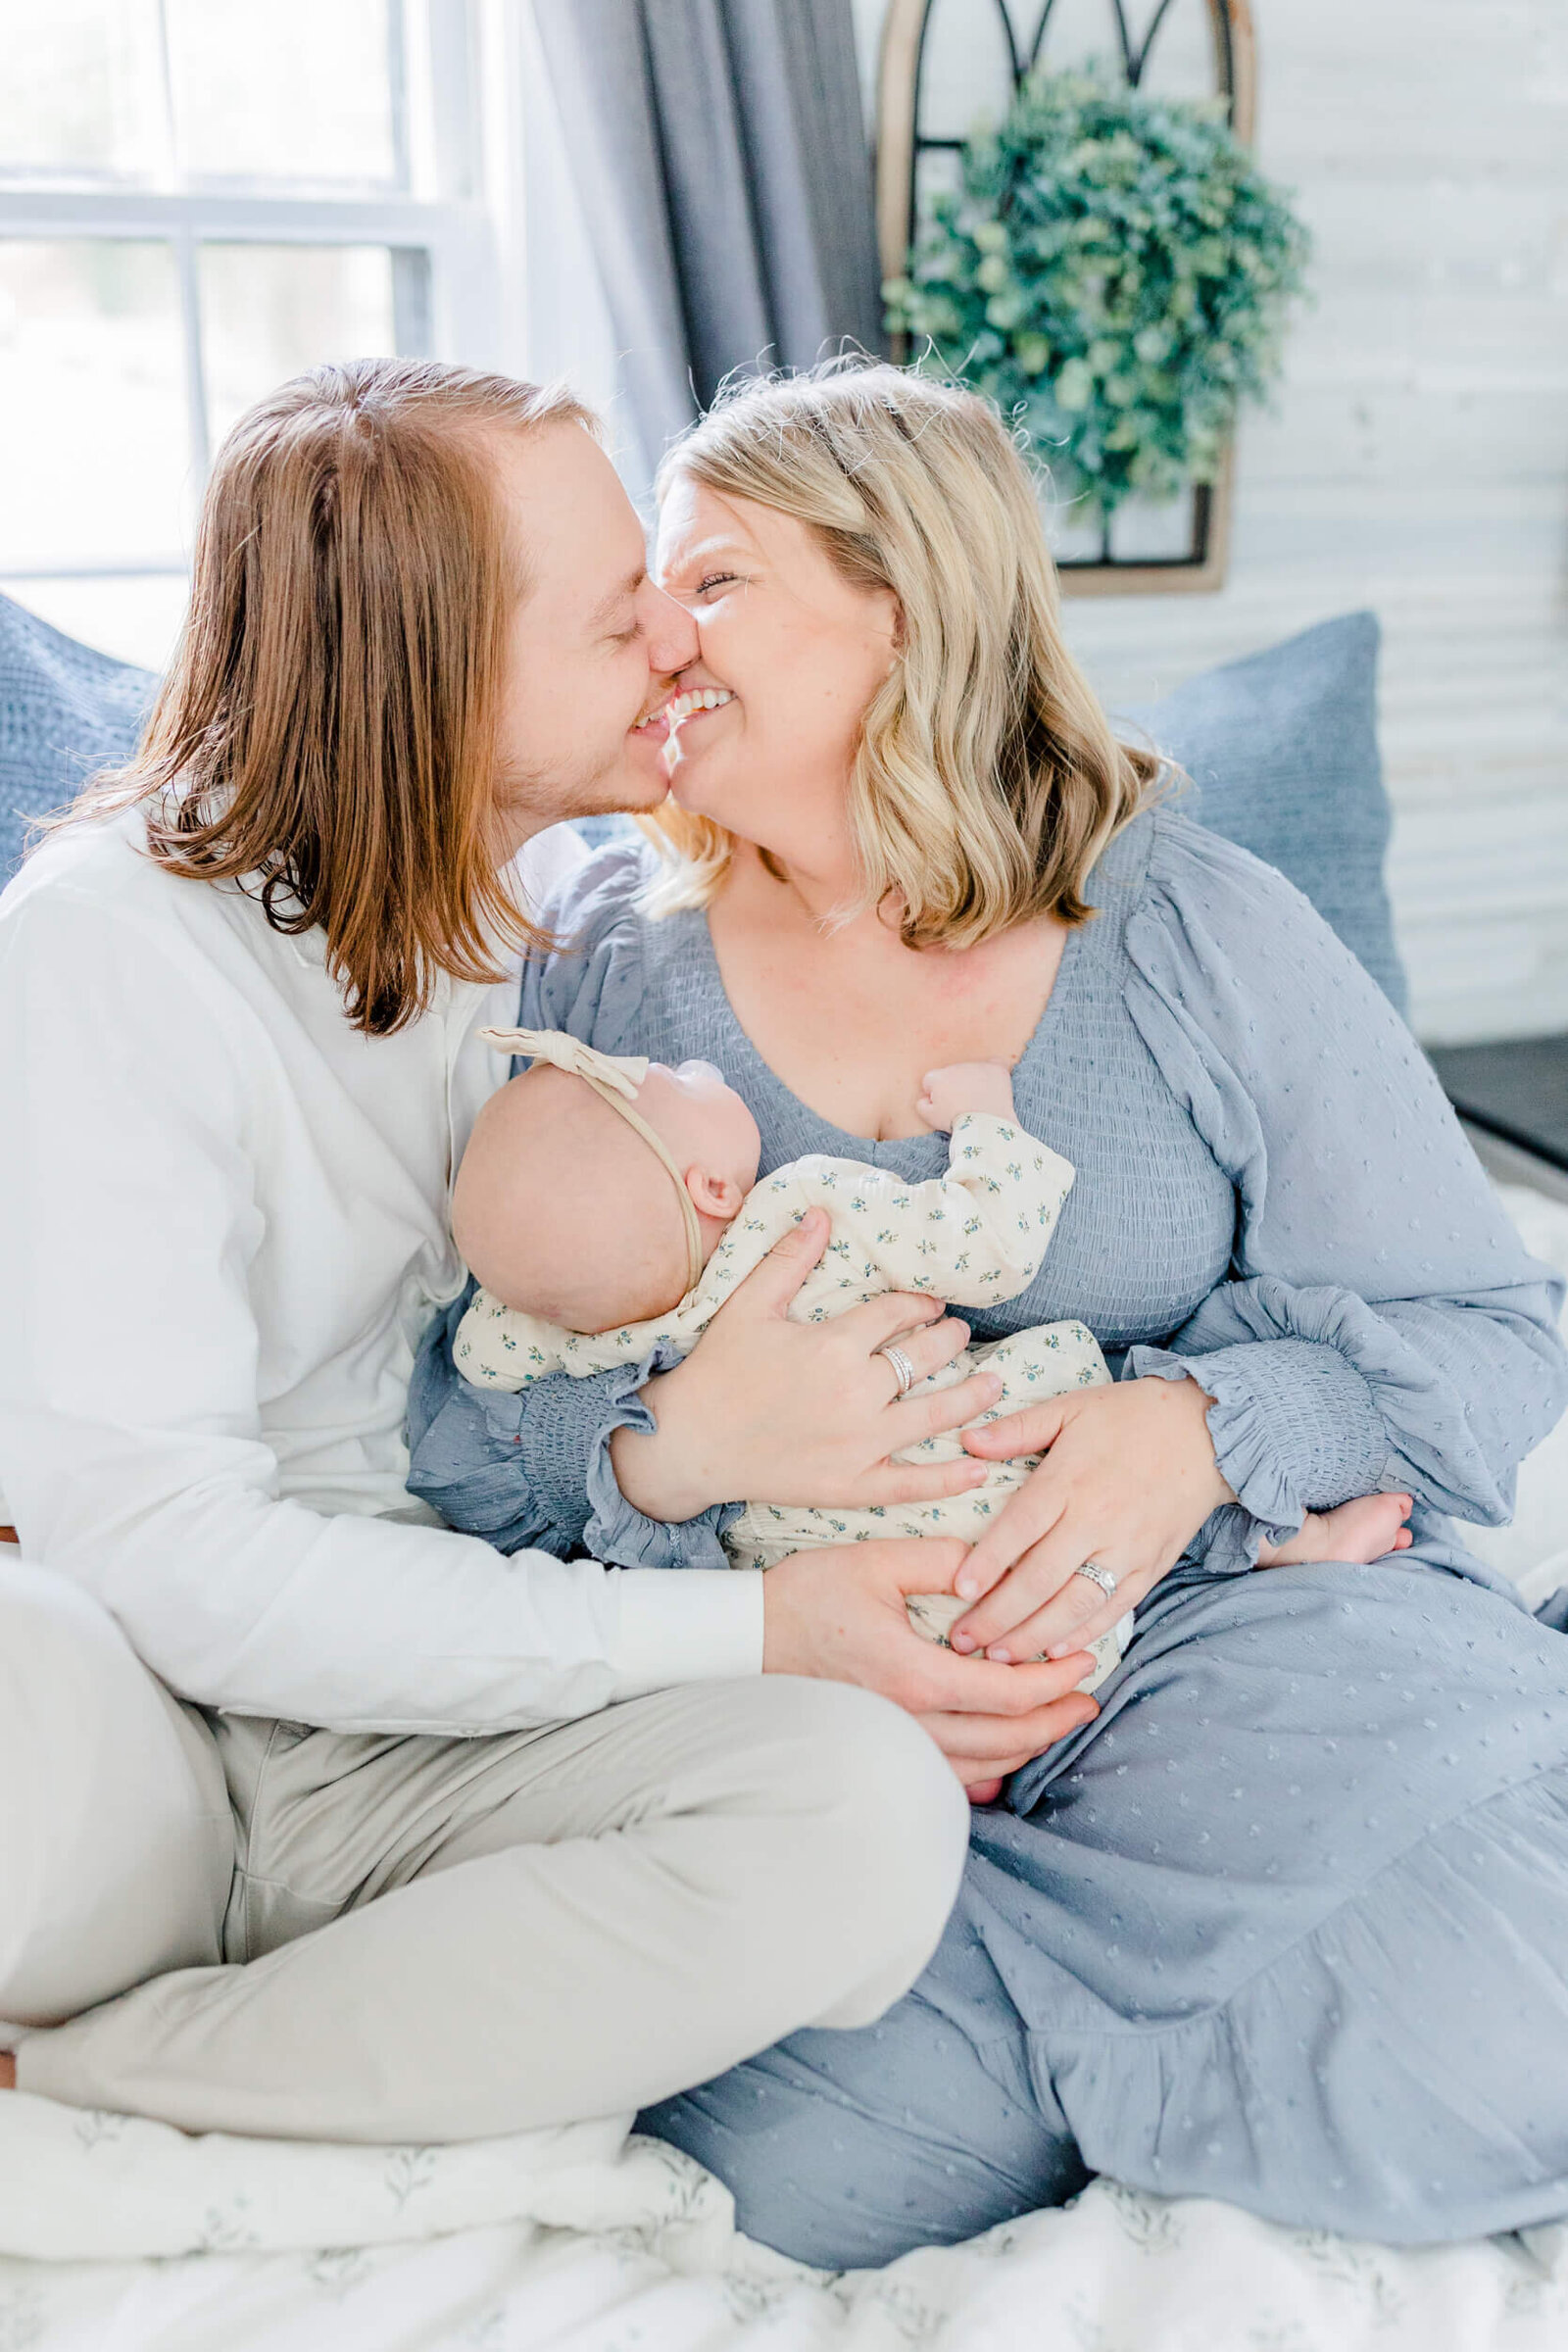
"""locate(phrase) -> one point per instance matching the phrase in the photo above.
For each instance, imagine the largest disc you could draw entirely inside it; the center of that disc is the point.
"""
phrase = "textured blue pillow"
(64, 711)
(1283, 749)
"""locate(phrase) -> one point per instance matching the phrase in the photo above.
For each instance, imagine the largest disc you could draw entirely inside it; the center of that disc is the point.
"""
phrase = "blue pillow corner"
(1282, 750)
(65, 710)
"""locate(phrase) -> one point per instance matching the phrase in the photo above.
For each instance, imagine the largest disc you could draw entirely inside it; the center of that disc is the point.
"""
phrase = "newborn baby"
(608, 1205)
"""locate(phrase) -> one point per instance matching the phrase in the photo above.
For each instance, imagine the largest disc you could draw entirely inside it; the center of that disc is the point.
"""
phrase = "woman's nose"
(671, 633)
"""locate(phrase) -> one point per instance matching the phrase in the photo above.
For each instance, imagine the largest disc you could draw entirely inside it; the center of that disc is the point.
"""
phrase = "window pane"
(136, 618)
(81, 87)
(92, 402)
(300, 90)
(269, 310)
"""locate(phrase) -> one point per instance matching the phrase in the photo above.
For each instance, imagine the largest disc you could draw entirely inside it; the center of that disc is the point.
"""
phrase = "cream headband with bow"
(614, 1079)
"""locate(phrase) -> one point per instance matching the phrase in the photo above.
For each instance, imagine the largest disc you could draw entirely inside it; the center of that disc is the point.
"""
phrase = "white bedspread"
(125, 2236)
(571, 2239)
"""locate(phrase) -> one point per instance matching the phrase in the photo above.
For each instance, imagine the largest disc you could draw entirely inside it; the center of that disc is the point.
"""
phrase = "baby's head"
(561, 1209)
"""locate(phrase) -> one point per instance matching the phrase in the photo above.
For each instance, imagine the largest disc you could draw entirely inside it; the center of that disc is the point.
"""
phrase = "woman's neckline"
(863, 1144)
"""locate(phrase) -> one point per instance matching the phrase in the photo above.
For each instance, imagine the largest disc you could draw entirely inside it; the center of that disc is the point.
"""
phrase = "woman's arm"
(1384, 1327)
(807, 1413)
(763, 1406)
(532, 1466)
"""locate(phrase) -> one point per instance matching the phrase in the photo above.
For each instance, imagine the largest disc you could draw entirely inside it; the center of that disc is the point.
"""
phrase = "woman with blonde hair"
(1283, 1922)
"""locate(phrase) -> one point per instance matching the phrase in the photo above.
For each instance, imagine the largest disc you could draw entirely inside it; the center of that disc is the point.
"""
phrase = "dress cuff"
(616, 1532)
(466, 1453)
(1228, 1542)
(702, 1627)
(1293, 1424)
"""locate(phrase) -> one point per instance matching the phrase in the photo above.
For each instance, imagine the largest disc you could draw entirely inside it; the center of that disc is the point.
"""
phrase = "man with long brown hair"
(524, 1839)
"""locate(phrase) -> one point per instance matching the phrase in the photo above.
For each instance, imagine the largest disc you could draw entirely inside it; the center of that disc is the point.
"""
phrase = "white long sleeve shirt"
(223, 1230)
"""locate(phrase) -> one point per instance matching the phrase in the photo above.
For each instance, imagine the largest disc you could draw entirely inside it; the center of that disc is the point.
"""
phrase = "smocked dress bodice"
(1085, 1083)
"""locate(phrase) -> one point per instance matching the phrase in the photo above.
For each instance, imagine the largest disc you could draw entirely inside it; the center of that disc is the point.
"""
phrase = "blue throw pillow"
(64, 711)
(1283, 750)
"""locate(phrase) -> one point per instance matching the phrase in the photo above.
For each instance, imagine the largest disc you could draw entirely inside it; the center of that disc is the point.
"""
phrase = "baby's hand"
(965, 1085)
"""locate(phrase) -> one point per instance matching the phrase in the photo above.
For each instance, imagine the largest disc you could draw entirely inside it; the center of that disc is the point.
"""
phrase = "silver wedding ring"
(902, 1370)
(1098, 1576)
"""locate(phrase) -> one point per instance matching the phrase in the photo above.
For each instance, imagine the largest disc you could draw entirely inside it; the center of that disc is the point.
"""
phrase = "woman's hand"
(839, 1613)
(1128, 1479)
(767, 1410)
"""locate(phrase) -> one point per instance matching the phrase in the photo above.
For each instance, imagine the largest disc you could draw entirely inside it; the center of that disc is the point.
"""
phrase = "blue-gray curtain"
(720, 153)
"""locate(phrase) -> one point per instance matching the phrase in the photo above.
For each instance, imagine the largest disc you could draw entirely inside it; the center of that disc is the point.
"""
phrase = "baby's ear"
(717, 1197)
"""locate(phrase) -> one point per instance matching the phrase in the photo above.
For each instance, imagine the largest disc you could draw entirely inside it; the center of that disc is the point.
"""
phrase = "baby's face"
(704, 1121)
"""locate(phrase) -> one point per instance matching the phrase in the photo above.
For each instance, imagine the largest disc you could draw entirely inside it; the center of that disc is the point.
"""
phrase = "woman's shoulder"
(1175, 894)
(598, 977)
(1164, 861)
(600, 893)
(1217, 946)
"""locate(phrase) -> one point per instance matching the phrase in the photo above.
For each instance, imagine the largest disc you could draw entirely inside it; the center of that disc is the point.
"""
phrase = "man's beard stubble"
(528, 802)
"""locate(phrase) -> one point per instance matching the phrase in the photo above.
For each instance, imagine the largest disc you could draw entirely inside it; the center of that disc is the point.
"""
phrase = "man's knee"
(115, 1843)
(889, 1833)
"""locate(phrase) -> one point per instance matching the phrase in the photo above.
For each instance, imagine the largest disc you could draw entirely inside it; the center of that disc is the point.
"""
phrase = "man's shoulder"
(101, 863)
(91, 898)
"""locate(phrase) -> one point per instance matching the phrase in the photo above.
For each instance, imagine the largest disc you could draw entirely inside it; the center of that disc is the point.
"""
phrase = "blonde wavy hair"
(987, 780)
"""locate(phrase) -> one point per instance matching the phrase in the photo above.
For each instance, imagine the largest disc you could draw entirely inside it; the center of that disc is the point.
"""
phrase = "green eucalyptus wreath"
(1114, 273)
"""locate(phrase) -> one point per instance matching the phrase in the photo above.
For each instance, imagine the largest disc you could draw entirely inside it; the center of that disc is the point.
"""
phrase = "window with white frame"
(199, 198)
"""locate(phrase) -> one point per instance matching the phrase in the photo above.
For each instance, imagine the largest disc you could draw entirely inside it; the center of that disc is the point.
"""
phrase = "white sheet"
(124, 2236)
(580, 2243)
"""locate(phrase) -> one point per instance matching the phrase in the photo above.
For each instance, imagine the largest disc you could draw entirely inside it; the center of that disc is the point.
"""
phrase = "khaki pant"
(442, 1939)
(117, 1843)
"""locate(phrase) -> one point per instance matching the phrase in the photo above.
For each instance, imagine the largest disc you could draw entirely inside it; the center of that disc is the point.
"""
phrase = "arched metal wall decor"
(901, 143)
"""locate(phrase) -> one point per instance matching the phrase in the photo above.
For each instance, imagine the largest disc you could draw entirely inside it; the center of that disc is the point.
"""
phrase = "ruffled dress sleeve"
(531, 1467)
(1382, 1327)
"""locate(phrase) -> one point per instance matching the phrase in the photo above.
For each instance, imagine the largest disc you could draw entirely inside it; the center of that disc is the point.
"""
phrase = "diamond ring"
(902, 1370)
(1098, 1575)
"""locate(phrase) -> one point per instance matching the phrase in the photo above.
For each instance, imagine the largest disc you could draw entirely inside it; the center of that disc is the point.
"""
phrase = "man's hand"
(947, 1093)
(839, 1614)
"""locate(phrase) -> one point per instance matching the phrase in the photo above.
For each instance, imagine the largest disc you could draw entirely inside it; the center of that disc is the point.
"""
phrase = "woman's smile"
(695, 701)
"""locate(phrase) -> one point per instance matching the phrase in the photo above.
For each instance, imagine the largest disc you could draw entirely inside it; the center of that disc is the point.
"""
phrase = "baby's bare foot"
(1360, 1532)
(983, 1792)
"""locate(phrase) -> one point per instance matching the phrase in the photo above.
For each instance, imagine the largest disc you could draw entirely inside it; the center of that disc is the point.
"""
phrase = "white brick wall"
(1416, 458)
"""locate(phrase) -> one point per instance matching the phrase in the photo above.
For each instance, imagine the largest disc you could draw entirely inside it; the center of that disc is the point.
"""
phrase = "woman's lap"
(1288, 1926)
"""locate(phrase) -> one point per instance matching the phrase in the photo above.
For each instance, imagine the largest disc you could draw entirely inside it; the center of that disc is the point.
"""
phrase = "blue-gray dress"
(1288, 1924)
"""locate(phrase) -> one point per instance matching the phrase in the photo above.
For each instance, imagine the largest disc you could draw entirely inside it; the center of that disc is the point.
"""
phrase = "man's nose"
(671, 633)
